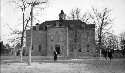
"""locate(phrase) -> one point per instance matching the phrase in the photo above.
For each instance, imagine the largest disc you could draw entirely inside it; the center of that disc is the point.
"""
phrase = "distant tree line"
(4, 49)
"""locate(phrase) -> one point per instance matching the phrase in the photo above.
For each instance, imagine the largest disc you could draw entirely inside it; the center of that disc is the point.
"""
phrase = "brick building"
(67, 37)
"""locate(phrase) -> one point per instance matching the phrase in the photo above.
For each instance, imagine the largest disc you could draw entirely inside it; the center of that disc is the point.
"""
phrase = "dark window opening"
(87, 45)
(87, 50)
(39, 48)
(45, 27)
(54, 24)
(32, 47)
(60, 24)
(40, 27)
(79, 50)
(71, 49)
(82, 27)
(34, 27)
(87, 33)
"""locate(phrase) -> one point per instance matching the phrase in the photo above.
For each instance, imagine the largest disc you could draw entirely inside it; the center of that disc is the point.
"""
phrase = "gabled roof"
(67, 23)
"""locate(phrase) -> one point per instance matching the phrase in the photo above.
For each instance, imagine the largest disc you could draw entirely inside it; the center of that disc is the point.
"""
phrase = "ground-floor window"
(32, 47)
(39, 48)
(79, 48)
(51, 48)
(71, 48)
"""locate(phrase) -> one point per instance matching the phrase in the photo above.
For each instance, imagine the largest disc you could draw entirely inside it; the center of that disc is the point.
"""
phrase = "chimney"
(62, 15)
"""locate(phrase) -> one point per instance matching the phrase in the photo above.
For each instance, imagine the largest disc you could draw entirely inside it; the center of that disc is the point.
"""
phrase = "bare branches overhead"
(103, 22)
(75, 14)
(24, 5)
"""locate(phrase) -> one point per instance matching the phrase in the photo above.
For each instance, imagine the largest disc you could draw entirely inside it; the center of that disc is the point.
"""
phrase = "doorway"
(57, 48)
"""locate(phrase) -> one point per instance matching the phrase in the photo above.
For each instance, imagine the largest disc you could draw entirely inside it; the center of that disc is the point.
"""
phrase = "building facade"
(67, 37)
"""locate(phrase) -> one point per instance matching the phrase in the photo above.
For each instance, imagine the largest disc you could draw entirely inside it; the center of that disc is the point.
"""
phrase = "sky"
(11, 16)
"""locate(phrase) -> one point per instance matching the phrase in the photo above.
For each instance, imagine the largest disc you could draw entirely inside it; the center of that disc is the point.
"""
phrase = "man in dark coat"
(110, 54)
(55, 55)
(105, 54)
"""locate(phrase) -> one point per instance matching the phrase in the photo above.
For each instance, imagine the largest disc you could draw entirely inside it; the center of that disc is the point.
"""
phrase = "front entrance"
(57, 48)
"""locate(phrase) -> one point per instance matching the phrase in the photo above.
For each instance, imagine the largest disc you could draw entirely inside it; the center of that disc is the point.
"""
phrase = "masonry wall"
(75, 45)
(39, 42)
(85, 44)
(44, 41)
(57, 36)
(88, 42)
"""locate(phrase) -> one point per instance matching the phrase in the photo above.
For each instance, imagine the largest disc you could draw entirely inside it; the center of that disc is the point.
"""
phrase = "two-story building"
(67, 37)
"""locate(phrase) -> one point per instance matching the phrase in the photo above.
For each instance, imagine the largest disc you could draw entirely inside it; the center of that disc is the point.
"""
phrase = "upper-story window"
(83, 27)
(87, 45)
(46, 28)
(34, 27)
(87, 33)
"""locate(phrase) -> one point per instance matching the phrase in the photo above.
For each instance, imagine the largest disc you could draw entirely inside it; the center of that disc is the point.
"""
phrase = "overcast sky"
(11, 15)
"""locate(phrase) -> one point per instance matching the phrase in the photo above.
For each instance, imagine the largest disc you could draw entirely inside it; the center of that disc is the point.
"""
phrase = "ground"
(83, 65)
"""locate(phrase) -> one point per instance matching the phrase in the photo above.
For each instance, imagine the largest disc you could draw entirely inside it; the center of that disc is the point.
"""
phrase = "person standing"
(110, 54)
(105, 54)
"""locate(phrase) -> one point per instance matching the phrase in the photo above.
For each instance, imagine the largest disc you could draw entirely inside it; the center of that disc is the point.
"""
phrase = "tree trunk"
(29, 62)
(100, 41)
(21, 51)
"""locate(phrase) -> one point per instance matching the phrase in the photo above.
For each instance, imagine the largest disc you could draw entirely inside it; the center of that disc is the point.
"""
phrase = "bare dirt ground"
(87, 65)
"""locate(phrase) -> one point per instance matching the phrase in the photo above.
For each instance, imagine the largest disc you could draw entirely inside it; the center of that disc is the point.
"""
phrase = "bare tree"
(102, 19)
(23, 5)
(75, 14)
(103, 22)
(33, 4)
(122, 42)
(111, 41)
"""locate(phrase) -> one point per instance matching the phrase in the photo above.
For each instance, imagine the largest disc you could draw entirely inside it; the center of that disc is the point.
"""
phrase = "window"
(82, 26)
(39, 48)
(87, 45)
(51, 48)
(46, 28)
(34, 27)
(71, 48)
(79, 50)
(32, 47)
(87, 36)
